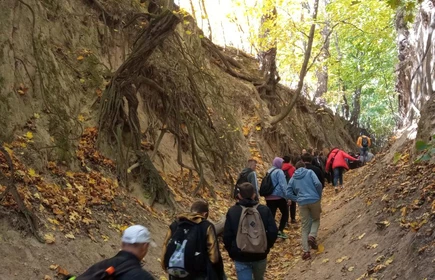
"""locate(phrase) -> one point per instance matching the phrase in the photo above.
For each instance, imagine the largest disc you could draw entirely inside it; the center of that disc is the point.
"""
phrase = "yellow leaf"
(340, 260)
(54, 266)
(361, 236)
(31, 172)
(80, 57)
(403, 211)
(389, 261)
(105, 238)
(69, 174)
(245, 130)
(325, 261)
(258, 127)
(81, 118)
(36, 116)
(82, 81)
(188, 32)
(53, 221)
(29, 135)
(46, 277)
(374, 246)
(21, 92)
(49, 238)
(350, 268)
(70, 236)
(320, 249)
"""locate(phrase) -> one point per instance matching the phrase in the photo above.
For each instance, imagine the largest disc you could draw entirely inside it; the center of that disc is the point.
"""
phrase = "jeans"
(283, 208)
(310, 218)
(364, 152)
(245, 270)
(338, 176)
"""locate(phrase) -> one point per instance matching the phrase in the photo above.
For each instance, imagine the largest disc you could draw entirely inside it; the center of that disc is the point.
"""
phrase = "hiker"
(364, 142)
(190, 249)
(250, 231)
(277, 198)
(126, 264)
(306, 189)
(248, 175)
(289, 170)
(337, 164)
(304, 151)
(308, 159)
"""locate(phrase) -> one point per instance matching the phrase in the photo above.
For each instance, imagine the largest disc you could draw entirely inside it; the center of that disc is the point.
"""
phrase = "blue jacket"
(279, 182)
(304, 187)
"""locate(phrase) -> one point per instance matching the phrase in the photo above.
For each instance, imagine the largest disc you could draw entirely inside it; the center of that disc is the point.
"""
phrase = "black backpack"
(186, 251)
(267, 187)
(243, 178)
(105, 273)
(365, 142)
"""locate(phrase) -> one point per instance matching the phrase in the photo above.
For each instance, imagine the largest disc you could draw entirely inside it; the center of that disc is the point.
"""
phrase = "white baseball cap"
(137, 234)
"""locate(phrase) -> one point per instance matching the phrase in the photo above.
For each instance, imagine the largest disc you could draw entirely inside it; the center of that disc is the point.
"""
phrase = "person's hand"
(289, 202)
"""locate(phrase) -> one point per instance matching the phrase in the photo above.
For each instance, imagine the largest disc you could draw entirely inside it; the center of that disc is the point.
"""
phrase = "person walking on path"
(278, 199)
(306, 189)
(126, 265)
(337, 164)
(364, 142)
(289, 170)
(250, 263)
(191, 249)
(248, 174)
(308, 159)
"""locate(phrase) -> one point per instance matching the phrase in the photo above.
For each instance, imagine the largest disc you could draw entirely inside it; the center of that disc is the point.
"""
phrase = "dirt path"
(355, 247)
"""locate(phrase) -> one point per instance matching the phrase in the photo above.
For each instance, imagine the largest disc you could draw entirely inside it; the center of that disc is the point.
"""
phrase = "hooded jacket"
(339, 157)
(279, 182)
(232, 225)
(289, 168)
(211, 239)
(304, 187)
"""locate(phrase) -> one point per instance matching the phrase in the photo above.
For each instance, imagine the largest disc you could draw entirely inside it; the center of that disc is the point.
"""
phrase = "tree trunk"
(322, 72)
(307, 55)
(268, 58)
(356, 110)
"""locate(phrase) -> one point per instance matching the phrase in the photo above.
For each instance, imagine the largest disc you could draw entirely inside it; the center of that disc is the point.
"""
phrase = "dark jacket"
(136, 272)
(251, 177)
(232, 225)
(318, 172)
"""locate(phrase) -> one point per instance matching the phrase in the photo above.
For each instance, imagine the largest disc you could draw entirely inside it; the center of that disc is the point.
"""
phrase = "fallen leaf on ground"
(325, 261)
(70, 236)
(320, 249)
(54, 266)
(350, 268)
(361, 236)
(49, 238)
(340, 260)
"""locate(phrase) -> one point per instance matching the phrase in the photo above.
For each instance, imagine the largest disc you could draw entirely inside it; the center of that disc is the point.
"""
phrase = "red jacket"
(339, 161)
(290, 169)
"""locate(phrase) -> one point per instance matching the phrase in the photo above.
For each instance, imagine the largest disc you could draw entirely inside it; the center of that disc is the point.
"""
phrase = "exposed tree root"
(114, 121)
(11, 188)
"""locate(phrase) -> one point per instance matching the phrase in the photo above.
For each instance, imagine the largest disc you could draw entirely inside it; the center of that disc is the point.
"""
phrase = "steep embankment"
(199, 115)
(381, 226)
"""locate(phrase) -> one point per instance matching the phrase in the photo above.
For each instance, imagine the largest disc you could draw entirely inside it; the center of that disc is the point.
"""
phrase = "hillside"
(381, 226)
(95, 150)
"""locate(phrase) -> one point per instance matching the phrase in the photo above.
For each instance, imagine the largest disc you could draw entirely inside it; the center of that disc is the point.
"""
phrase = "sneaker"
(336, 189)
(342, 186)
(294, 221)
(282, 235)
(312, 242)
(306, 256)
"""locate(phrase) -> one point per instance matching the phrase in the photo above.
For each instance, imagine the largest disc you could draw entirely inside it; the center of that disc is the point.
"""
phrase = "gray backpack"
(251, 235)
